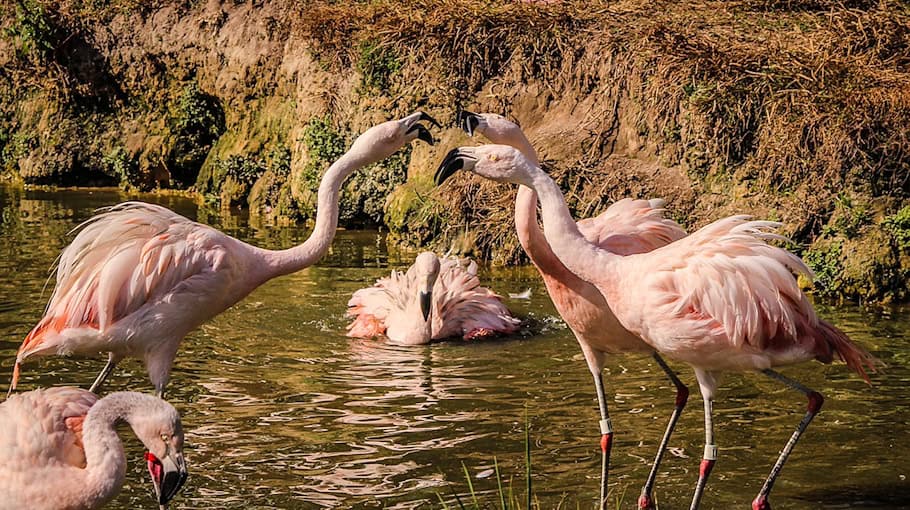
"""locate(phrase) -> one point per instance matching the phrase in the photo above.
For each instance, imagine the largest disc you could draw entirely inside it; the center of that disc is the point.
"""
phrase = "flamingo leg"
(606, 439)
(815, 404)
(645, 502)
(710, 456)
(105, 373)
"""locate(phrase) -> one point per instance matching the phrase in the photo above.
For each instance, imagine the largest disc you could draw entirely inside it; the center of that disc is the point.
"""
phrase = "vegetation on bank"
(796, 111)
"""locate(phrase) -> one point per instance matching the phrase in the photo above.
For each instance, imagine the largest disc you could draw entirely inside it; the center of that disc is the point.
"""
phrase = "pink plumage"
(721, 299)
(460, 307)
(59, 449)
(138, 277)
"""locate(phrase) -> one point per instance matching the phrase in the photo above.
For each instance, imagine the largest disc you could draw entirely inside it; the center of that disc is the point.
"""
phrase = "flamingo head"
(500, 163)
(157, 424)
(382, 140)
(426, 267)
(495, 127)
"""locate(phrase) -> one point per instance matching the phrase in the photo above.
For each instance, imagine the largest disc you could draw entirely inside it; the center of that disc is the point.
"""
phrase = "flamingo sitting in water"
(59, 447)
(436, 298)
(139, 277)
(720, 299)
(626, 227)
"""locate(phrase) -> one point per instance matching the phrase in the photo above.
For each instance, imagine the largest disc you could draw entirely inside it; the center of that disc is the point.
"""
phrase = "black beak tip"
(431, 120)
(425, 135)
(468, 121)
(426, 300)
(451, 164)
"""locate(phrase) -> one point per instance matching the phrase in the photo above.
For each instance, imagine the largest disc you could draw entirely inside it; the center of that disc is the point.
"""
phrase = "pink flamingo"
(59, 447)
(139, 277)
(436, 298)
(626, 227)
(720, 299)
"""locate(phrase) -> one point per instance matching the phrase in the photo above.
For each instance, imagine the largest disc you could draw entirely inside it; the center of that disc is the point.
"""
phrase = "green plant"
(119, 164)
(825, 261)
(34, 32)
(196, 121)
(376, 64)
(243, 169)
(898, 225)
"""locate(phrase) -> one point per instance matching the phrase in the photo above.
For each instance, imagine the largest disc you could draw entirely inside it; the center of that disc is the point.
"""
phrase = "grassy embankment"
(797, 111)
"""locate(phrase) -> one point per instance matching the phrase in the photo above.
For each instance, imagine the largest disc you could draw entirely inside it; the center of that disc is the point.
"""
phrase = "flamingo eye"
(165, 437)
(494, 157)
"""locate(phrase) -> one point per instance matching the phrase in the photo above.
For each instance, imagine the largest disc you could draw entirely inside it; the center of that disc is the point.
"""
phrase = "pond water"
(283, 411)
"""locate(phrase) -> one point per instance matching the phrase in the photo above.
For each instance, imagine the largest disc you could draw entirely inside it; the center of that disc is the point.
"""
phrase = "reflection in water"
(283, 411)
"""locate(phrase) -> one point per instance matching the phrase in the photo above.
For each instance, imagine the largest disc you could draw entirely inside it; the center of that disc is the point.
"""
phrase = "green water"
(283, 411)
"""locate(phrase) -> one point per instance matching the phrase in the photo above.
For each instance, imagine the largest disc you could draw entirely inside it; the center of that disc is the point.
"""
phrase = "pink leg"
(645, 501)
(710, 456)
(606, 439)
(815, 404)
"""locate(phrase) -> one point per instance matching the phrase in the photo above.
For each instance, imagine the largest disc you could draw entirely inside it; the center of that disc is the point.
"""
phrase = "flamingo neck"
(105, 462)
(284, 262)
(527, 225)
(566, 242)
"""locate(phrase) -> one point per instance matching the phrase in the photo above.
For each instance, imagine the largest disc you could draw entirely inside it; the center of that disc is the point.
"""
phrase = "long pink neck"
(527, 226)
(563, 239)
(105, 462)
(284, 262)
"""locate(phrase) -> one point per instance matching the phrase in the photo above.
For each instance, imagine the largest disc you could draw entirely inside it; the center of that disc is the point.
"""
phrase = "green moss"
(849, 217)
(376, 65)
(413, 216)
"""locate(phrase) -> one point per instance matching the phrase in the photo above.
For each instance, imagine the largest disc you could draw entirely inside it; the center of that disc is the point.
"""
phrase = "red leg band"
(682, 396)
(606, 442)
(815, 402)
(705, 469)
(645, 502)
(761, 503)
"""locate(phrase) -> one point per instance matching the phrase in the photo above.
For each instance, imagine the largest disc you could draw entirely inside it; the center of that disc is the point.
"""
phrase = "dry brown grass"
(806, 98)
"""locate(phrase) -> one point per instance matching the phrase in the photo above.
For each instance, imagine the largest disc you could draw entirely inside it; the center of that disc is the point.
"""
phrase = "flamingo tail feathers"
(857, 358)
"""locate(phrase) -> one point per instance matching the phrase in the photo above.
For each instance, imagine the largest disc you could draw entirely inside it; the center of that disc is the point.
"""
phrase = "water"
(283, 411)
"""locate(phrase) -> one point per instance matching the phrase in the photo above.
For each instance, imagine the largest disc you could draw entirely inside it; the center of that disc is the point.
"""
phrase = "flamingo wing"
(631, 226)
(130, 255)
(44, 427)
(371, 306)
(725, 281)
(463, 307)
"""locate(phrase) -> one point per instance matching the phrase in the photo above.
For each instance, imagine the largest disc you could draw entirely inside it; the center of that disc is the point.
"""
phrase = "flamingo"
(436, 298)
(59, 447)
(139, 277)
(721, 299)
(626, 227)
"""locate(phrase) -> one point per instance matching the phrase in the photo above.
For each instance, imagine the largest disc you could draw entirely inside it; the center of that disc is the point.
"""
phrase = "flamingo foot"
(761, 503)
(645, 502)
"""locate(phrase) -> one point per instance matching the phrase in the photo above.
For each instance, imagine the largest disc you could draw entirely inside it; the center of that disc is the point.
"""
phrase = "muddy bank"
(792, 111)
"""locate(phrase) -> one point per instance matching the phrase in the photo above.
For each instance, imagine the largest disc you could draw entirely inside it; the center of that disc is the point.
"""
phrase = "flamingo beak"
(168, 475)
(454, 161)
(422, 133)
(468, 121)
(426, 301)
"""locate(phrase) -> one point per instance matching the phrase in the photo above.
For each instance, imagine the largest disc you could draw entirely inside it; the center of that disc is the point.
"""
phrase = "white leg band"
(710, 452)
(606, 426)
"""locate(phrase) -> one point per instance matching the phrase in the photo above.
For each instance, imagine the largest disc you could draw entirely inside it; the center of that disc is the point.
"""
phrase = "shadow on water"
(283, 411)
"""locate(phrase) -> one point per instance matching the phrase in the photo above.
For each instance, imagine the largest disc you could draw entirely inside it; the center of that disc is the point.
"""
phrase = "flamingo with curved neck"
(59, 447)
(721, 299)
(633, 226)
(139, 277)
